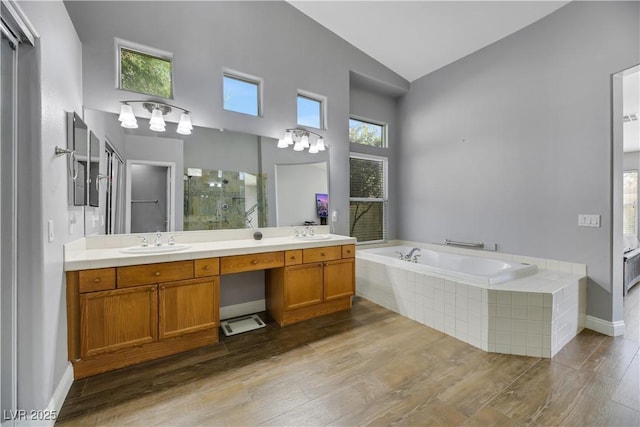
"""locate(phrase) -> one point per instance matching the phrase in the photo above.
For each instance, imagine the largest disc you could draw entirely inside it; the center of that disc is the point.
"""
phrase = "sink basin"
(314, 237)
(155, 249)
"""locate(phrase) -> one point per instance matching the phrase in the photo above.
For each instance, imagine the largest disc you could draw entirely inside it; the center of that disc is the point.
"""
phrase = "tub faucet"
(409, 256)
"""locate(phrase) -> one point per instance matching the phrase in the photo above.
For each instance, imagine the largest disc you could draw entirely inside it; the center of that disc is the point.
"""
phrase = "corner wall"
(50, 79)
(509, 144)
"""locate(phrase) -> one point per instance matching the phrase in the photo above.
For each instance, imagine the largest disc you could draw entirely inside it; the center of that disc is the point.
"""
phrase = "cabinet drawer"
(240, 263)
(293, 257)
(322, 254)
(154, 273)
(206, 267)
(99, 279)
(348, 251)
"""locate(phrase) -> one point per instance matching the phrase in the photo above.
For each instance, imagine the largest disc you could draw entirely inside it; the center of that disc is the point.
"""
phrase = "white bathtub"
(477, 269)
(491, 303)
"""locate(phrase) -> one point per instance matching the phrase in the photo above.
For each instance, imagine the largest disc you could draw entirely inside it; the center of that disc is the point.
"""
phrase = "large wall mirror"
(208, 180)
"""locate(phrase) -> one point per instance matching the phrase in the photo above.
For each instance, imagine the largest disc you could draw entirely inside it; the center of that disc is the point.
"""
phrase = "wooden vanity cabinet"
(112, 320)
(121, 316)
(323, 283)
(188, 306)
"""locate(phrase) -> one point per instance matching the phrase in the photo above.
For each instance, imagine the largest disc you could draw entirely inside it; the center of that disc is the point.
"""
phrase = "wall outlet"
(585, 220)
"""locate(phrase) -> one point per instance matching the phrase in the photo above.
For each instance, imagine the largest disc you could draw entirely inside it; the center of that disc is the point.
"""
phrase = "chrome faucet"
(144, 243)
(410, 254)
(158, 241)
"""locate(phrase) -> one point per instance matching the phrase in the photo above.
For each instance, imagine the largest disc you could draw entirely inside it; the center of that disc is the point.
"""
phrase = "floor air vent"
(242, 324)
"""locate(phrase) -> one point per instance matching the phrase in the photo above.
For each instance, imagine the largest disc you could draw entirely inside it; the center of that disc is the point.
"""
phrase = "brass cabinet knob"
(157, 273)
(207, 267)
(254, 262)
(96, 280)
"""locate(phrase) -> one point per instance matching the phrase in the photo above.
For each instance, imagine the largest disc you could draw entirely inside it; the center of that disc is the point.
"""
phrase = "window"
(368, 198)
(630, 203)
(145, 70)
(367, 133)
(311, 110)
(241, 94)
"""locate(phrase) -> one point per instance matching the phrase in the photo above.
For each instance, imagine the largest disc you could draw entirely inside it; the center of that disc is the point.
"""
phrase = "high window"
(311, 109)
(242, 94)
(630, 202)
(367, 197)
(367, 133)
(145, 70)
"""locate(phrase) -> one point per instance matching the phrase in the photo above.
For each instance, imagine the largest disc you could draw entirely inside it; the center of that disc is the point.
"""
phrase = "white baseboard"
(231, 311)
(46, 417)
(606, 327)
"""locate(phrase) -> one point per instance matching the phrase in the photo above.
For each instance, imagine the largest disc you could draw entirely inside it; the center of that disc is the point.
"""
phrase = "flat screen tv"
(322, 205)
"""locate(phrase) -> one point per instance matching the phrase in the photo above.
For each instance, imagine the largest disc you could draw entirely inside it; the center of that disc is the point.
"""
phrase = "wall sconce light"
(299, 138)
(156, 123)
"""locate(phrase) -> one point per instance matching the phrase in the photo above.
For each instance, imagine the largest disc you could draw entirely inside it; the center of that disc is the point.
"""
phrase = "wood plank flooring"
(369, 366)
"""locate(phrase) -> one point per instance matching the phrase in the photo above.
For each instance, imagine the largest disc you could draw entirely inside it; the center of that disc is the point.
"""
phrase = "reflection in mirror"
(114, 190)
(216, 199)
(78, 143)
(247, 162)
(94, 169)
(298, 187)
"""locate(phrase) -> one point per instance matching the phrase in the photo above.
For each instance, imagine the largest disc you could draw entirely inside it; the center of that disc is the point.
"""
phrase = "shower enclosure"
(217, 199)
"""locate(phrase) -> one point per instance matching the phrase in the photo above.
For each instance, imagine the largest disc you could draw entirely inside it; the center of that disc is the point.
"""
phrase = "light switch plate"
(585, 220)
(50, 230)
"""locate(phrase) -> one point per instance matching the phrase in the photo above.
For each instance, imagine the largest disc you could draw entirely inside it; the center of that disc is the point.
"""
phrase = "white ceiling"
(414, 38)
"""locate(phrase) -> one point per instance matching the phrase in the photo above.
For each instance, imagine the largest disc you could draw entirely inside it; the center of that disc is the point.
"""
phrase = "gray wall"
(51, 85)
(511, 143)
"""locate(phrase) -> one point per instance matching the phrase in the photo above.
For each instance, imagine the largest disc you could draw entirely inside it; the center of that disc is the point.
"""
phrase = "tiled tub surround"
(530, 316)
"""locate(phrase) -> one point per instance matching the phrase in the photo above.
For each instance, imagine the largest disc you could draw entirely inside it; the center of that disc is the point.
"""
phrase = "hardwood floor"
(369, 366)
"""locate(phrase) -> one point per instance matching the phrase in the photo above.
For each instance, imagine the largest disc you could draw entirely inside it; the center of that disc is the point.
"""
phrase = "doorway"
(626, 227)
(114, 192)
(16, 38)
(150, 198)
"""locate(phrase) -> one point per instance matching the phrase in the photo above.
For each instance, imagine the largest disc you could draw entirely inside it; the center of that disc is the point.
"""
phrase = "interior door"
(149, 198)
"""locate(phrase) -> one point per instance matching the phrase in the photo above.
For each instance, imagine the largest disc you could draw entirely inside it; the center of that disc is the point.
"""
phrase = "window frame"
(384, 133)
(323, 108)
(246, 78)
(143, 50)
(384, 200)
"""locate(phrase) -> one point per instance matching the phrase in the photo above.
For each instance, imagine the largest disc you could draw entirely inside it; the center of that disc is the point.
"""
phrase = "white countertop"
(81, 255)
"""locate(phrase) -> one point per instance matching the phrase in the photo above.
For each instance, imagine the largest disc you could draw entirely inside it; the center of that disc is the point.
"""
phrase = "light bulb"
(305, 141)
(127, 118)
(288, 138)
(184, 125)
(157, 122)
(313, 149)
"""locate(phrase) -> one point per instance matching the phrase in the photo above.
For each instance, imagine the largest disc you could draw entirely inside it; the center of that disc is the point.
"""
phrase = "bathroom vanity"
(125, 308)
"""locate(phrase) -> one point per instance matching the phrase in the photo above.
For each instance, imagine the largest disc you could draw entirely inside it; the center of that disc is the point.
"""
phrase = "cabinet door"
(302, 286)
(339, 280)
(188, 306)
(111, 320)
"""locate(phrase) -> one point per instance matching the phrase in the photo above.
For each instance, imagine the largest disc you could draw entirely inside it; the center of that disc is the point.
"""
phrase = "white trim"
(242, 309)
(171, 192)
(27, 419)
(606, 327)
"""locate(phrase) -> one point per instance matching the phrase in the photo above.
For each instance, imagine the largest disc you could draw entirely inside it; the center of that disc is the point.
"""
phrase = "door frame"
(171, 192)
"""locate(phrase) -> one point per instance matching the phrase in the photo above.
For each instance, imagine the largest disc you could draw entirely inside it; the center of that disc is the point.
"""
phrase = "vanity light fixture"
(158, 110)
(300, 139)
